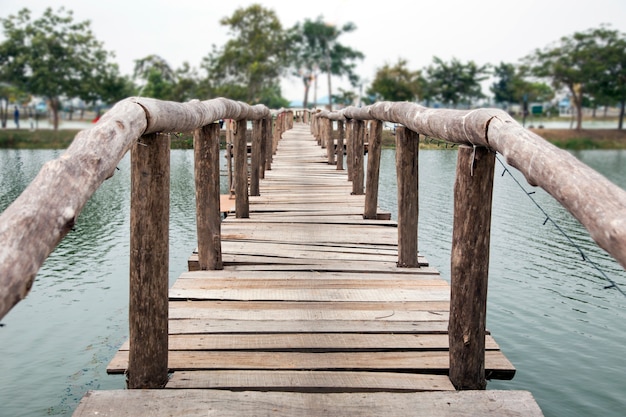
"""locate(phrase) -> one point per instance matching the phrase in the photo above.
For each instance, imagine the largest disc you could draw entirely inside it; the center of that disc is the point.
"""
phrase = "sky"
(485, 31)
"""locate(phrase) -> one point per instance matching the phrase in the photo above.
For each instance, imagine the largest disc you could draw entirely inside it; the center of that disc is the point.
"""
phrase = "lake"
(547, 308)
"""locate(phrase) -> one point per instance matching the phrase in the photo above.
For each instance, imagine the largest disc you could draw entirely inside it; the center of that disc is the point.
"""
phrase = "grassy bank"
(563, 138)
(61, 139)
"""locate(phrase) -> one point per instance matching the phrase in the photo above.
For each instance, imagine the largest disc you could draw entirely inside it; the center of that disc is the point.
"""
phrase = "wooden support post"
(407, 148)
(359, 150)
(473, 189)
(330, 142)
(350, 148)
(149, 262)
(206, 145)
(339, 150)
(267, 144)
(242, 208)
(229, 156)
(255, 158)
(373, 170)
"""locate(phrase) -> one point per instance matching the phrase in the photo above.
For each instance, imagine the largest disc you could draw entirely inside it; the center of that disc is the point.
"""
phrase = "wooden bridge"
(307, 300)
(310, 300)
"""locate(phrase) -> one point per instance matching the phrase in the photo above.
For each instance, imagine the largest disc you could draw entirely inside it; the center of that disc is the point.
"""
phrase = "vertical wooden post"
(350, 148)
(206, 145)
(255, 158)
(473, 189)
(242, 209)
(263, 150)
(229, 156)
(149, 262)
(267, 143)
(373, 170)
(339, 150)
(407, 148)
(330, 142)
(358, 149)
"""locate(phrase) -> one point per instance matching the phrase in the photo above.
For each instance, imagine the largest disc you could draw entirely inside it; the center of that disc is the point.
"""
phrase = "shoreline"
(563, 138)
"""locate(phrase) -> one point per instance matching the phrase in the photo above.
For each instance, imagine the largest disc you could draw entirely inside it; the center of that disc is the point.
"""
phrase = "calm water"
(547, 308)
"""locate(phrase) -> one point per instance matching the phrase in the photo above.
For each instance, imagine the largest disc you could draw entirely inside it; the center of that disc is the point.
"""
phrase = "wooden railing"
(32, 226)
(598, 204)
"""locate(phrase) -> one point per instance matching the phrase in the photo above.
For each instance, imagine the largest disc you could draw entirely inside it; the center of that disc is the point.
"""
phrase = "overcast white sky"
(486, 31)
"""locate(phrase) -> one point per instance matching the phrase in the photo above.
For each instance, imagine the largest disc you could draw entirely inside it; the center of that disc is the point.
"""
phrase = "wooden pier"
(310, 316)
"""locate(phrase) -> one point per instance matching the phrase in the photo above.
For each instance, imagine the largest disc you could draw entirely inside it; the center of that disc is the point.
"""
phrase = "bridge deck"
(310, 315)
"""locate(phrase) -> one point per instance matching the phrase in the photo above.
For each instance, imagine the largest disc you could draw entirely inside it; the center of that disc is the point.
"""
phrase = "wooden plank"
(260, 263)
(313, 294)
(310, 342)
(182, 326)
(312, 305)
(210, 283)
(418, 274)
(191, 312)
(309, 381)
(200, 403)
(497, 366)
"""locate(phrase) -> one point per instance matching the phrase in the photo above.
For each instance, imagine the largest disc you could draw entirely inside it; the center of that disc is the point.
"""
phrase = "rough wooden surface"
(200, 403)
(309, 303)
(149, 262)
(469, 271)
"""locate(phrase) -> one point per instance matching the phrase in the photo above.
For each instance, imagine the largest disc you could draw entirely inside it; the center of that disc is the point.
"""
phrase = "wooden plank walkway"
(310, 316)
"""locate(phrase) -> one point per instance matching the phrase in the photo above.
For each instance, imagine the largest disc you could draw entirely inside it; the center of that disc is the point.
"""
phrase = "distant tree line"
(56, 58)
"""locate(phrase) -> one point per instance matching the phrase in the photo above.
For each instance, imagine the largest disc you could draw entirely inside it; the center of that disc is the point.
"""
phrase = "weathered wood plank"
(309, 381)
(312, 342)
(199, 403)
(187, 326)
(497, 366)
(313, 294)
(420, 274)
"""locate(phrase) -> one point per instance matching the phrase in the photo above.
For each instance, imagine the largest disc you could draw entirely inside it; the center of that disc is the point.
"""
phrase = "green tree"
(251, 63)
(316, 48)
(512, 86)
(396, 83)
(585, 63)
(454, 82)
(345, 97)
(52, 57)
(609, 87)
(155, 77)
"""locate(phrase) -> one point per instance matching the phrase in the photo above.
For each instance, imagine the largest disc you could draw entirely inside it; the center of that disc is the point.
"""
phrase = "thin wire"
(585, 258)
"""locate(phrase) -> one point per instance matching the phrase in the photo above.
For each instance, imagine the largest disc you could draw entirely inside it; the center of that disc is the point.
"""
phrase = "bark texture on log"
(373, 170)
(473, 189)
(407, 148)
(206, 143)
(149, 262)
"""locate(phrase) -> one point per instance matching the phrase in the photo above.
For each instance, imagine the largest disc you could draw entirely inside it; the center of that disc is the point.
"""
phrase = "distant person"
(16, 117)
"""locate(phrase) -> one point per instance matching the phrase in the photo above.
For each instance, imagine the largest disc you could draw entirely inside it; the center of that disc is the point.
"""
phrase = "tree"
(52, 57)
(396, 83)
(316, 49)
(155, 76)
(250, 64)
(610, 85)
(513, 87)
(586, 63)
(345, 97)
(454, 82)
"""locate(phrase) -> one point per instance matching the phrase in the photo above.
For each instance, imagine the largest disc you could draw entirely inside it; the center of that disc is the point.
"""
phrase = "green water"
(547, 309)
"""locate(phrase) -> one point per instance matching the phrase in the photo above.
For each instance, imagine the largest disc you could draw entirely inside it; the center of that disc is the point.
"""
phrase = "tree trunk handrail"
(33, 225)
(597, 203)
